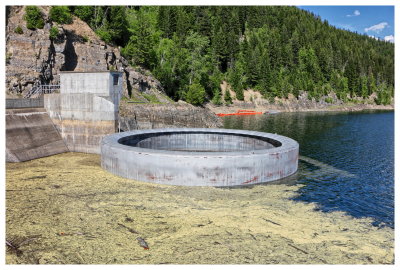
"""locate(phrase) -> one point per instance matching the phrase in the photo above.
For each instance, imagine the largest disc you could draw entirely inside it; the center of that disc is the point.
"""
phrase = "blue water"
(346, 159)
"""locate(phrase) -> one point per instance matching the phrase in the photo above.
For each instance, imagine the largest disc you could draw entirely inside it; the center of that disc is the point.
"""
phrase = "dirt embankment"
(65, 209)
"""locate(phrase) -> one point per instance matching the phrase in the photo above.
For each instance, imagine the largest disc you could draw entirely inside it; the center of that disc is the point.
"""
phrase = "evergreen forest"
(276, 50)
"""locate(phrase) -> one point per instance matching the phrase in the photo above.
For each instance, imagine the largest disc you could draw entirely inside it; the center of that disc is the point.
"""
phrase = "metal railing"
(42, 89)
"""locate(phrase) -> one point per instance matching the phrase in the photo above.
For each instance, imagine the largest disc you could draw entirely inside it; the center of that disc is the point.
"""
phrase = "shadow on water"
(308, 167)
(342, 167)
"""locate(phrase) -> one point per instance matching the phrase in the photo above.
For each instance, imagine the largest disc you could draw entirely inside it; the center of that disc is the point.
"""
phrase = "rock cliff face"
(33, 58)
(137, 116)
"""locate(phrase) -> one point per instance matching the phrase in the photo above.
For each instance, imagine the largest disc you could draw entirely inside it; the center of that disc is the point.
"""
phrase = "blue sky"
(375, 21)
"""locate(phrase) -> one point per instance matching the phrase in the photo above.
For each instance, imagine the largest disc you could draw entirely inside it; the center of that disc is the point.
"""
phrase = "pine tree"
(196, 94)
(227, 97)
(276, 50)
(166, 20)
(364, 86)
(198, 59)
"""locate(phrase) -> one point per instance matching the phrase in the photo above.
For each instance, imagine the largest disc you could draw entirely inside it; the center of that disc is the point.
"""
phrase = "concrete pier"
(200, 157)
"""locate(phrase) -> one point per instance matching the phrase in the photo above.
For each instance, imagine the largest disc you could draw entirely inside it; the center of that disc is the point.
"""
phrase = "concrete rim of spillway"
(200, 168)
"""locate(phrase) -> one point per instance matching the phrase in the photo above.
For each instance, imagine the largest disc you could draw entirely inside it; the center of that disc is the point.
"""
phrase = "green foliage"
(60, 14)
(237, 79)
(167, 69)
(33, 17)
(196, 94)
(144, 36)
(108, 22)
(166, 20)
(217, 100)
(384, 94)
(327, 88)
(239, 94)
(371, 84)
(85, 38)
(53, 32)
(151, 98)
(85, 13)
(198, 59)
(213, 85)
(308, 63)
(18, 30)
(277, 50)
(329, 100)
(228, 97)
(281, 86)
(364, 86)
(343, 89)
(104, 35)
(8, 57)
(117, 25)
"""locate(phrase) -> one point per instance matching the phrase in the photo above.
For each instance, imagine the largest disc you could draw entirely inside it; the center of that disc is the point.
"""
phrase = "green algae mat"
(66, 209)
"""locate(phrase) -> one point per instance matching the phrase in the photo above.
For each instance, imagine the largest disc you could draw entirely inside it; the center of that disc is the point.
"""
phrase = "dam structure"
(86, 109)
(30, 133)
(82, 116)
(73, 120)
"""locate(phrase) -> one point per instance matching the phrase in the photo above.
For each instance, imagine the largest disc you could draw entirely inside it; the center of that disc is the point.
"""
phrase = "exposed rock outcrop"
(138, 116)
(33, 58)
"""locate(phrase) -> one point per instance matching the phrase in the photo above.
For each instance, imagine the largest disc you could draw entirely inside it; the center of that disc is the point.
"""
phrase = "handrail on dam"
(42, 89)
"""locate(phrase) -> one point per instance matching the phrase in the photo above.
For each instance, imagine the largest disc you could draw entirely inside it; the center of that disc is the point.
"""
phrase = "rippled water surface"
(346, 159)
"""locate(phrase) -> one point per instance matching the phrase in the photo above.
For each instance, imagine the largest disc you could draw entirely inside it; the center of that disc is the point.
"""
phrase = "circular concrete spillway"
(199, 157)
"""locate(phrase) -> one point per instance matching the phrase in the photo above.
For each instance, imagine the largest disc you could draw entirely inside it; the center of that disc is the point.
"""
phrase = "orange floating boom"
(240, 112)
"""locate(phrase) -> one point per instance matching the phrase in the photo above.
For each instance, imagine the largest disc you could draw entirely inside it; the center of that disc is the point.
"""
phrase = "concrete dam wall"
(76, 119)
(86, 109)
(31, 134)
(82, 120)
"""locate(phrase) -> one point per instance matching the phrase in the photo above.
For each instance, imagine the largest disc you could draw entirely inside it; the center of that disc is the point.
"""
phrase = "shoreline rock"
(288, 108)
(178, 115)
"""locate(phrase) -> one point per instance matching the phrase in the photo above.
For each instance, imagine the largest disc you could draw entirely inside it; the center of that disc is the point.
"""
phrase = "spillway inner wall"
(199, 141)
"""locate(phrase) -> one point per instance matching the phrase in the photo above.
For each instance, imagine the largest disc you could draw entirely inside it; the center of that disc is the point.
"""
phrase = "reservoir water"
(346, 158)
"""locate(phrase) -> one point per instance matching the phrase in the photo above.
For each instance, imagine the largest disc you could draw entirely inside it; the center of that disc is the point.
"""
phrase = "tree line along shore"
(275, 50)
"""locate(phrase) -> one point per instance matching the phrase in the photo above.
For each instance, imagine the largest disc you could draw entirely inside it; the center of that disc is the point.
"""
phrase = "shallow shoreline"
(288, 108)
(66, 209)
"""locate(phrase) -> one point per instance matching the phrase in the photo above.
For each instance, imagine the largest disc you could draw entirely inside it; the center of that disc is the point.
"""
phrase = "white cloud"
(389, 38)
(347, 27)
(373, 37)
(355, 13)
(377, 27)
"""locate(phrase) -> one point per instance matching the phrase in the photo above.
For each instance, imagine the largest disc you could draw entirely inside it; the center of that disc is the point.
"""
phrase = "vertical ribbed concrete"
(20, 103)
(86, 109)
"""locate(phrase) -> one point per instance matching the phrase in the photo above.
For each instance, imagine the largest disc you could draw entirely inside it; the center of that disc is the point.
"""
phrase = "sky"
(377, 21)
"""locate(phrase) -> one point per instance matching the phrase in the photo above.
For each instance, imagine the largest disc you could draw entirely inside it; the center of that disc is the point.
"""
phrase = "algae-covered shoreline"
(66, 209)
